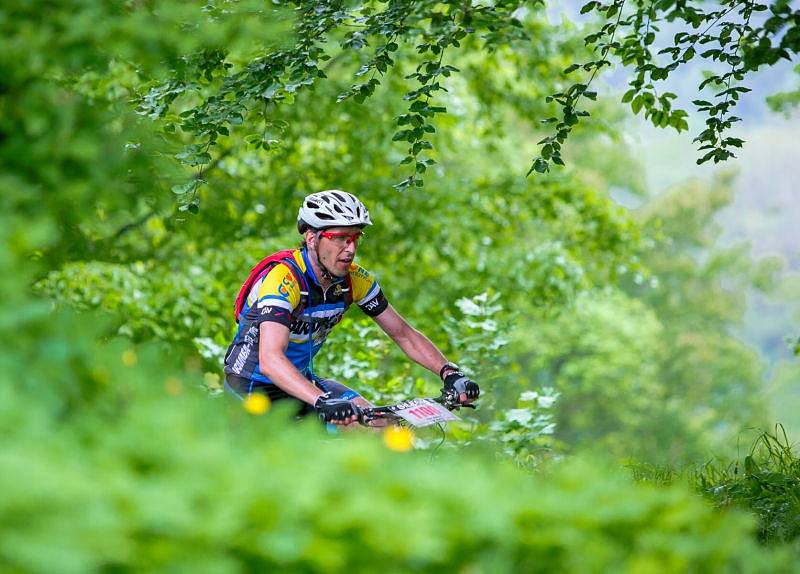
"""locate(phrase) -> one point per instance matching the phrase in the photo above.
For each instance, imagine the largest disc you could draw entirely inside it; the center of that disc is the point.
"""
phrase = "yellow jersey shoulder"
(362, 281)
(280, 284)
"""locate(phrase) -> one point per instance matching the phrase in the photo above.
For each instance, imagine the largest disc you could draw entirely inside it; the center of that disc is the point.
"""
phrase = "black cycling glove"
(334, 409)
(457, 382)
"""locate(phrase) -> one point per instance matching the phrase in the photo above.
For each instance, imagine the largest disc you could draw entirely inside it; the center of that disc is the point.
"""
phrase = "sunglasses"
(342, 238)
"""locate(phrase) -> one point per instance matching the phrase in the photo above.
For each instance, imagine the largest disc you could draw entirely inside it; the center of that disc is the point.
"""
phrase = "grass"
(766, 482)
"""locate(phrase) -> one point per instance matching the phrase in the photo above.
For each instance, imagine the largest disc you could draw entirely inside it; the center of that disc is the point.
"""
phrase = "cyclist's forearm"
(421, 350)
(417, 346)
(286, 376)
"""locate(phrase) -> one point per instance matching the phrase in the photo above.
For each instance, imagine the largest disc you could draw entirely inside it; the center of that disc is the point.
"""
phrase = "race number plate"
(423, 412)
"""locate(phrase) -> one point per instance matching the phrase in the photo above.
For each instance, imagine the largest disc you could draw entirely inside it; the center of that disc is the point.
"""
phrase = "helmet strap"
(326, 274)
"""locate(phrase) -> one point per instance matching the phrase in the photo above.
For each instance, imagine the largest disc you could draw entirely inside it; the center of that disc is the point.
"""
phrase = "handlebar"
(388, 412)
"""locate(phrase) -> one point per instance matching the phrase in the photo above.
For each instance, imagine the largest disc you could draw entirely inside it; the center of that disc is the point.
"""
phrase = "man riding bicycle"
(293, 299)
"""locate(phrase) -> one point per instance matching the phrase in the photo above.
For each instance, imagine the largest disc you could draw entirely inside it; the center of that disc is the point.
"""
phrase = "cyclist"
(294, 298)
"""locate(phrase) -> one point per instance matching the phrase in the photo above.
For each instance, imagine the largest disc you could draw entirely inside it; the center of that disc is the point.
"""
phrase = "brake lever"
(366, 416)
(451, 402)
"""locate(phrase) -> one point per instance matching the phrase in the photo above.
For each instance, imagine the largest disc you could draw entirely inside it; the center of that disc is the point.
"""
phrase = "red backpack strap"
(262, 268)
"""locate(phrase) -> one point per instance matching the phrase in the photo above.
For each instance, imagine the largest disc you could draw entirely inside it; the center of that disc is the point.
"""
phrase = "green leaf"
(184, 187)
(402, 185)
(539, 166)
(636, 104)
(628, 96)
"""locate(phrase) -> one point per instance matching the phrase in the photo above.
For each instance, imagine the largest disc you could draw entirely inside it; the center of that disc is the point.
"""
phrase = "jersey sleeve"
(367, 294)
(278, 295)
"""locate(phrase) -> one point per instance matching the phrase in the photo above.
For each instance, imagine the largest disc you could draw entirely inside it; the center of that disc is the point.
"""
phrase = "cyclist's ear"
(311, 238)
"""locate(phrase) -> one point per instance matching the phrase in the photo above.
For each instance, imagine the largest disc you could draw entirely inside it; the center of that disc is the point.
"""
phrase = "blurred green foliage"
(180, 482)
(785, 101)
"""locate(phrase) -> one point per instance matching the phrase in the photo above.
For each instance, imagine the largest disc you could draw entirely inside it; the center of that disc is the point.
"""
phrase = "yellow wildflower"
(256, 404)
(398, 438)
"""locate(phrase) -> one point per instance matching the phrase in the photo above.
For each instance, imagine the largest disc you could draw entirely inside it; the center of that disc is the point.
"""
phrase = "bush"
(150, 474)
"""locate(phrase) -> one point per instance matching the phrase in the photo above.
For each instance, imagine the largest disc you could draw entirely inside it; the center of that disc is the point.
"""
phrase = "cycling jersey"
(276, 296)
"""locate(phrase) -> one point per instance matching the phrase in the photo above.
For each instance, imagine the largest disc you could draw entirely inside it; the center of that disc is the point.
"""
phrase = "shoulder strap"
(301, 279)
(262, 268)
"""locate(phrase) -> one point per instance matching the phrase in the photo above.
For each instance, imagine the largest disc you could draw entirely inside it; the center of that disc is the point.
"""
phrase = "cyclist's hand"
(336, 411)
(457, 382)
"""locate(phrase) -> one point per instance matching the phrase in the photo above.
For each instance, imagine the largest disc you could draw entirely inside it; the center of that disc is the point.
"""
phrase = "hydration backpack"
(261, 269)
(265, 266)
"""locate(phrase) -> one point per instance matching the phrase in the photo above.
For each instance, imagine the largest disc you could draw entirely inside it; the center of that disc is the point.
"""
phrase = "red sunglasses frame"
(348, 237)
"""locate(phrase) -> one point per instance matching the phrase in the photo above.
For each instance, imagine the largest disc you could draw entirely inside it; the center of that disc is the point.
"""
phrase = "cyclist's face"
(336, 248)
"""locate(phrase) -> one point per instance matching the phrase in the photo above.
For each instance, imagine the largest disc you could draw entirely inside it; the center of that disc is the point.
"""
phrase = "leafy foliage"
(727, 32)
(133, 497)
(765, 482)
(602, 356)
(697, 287)
(565, 242)
(525, 432)
(238, 87)
(785, 101)
(116, 458)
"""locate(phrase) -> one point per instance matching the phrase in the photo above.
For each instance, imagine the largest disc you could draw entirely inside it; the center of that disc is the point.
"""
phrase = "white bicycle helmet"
(331, 208)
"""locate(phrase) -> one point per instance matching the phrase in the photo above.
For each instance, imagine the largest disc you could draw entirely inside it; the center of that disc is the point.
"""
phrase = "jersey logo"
(321, 326)
(360, 272)
(287, 283)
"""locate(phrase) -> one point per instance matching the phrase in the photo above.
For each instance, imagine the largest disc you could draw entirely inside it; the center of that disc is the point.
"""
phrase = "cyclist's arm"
(417, 346)
(272, 344)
